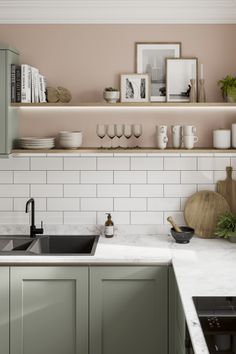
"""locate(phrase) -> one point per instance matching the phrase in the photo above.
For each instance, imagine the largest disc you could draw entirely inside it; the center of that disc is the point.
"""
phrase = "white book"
(35, 85)
(42, 89)
(26, 83)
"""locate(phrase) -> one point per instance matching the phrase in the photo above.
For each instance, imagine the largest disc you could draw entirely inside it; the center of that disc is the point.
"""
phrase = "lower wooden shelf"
(123, 151)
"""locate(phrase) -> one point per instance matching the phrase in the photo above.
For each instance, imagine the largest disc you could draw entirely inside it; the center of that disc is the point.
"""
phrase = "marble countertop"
(202, 267)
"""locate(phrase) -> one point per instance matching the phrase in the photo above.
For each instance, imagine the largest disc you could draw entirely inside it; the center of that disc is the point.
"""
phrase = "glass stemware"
(119, 130)
(101, 132)
(137, 132)
(111, 132)
(127, 133)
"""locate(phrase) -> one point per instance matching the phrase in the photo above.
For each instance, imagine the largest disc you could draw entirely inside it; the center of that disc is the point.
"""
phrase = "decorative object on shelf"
(189, 130)
(127, 133)
(201, 92)
(134, 88)
(119, 130)
(181, 234)
(33, 143)
(150, 59)
(111, 133)
(189, 137)
(228, 88)
(161, 136)
(176, 131)
(70, 140)
(227, 188)
(193, 94)
(233, 133)
(222, 139)
(226, 226)
(179, 73)
(137, 130)
(101, 132)
(111, 95)
(202, 211)
(59, 94)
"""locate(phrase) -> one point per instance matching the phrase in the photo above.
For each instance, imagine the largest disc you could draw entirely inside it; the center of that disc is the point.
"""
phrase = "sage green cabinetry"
(49, 310)
(8, 114)
(4, 310)
(128, 310)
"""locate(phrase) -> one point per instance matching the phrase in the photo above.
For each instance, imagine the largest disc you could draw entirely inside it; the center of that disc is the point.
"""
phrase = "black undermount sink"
(46, 245)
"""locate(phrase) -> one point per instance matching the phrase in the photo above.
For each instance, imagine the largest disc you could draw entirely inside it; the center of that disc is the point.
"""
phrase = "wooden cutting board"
(202, 211)
(227, 188)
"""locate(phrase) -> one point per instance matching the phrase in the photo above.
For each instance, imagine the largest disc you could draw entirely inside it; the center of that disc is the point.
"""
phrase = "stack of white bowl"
(36, 143)
(70, 140)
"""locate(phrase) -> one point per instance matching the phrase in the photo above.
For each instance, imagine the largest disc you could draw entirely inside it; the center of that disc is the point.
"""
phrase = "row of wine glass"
(119, 130)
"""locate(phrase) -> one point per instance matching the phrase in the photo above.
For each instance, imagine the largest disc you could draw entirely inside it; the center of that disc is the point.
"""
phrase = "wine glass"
(119, 130)
(111, 132)
(137, 132)
(127, 133)
(101, 132)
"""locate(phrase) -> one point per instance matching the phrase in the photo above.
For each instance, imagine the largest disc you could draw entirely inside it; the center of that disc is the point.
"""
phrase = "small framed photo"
(134, 88)
(180, 73)
(151, 60)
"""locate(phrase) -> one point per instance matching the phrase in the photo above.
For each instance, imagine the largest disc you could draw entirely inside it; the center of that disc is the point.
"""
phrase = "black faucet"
(33, 229)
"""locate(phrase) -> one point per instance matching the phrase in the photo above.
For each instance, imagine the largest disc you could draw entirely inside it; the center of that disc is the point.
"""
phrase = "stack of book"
(27, 84)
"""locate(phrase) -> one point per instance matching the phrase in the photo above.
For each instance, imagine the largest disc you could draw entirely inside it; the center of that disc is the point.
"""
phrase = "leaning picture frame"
(151, 59)
(134, 88)
(181, 75)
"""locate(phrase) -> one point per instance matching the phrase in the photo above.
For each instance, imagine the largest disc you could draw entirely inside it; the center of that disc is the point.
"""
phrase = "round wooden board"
(202, 211)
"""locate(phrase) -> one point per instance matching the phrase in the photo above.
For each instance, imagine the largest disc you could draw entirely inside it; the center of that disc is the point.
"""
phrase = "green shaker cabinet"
(4, 310)
(8, 114)
(128, 310)
(49, 310)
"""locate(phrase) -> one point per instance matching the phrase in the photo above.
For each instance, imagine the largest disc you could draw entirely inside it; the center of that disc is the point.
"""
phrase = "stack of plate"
(70, 140)
(36, 143)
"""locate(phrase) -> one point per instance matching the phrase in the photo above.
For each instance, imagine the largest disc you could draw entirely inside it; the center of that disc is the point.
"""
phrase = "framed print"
(151, 60)
(179, 74)
(134, 88)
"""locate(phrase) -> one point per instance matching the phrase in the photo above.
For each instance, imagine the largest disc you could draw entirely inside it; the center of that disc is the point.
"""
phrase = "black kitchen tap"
(33, 229)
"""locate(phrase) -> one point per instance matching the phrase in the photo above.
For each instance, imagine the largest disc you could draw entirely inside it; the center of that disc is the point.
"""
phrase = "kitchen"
(132, 292)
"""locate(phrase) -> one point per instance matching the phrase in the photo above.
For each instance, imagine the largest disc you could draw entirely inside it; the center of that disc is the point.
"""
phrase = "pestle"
(175, 226)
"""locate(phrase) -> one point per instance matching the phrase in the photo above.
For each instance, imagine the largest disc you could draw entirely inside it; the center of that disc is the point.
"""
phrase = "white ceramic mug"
(189, 130)
(234, 135)
(162, 141)
(176, 131)
(161, 129)
(189, 141)
(222, 138)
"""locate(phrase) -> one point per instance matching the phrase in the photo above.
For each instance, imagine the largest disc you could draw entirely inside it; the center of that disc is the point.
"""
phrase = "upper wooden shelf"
(121, 104)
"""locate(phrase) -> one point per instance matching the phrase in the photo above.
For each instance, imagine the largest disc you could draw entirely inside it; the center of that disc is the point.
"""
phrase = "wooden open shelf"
(125, 151)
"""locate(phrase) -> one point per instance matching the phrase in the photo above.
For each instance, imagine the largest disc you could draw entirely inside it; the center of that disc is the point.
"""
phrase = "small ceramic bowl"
(70, 140)
(184, 236)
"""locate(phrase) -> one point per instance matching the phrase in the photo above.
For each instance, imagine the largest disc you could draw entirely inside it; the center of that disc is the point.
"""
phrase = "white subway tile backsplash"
(213, 163)
(147, 163)
(63, 177)
(63, 204)
(118, 217)
(46, 163)
(31, 177)
(6, 204)
(97, 177)
(113, 163)
(96, 204)
(198, 177)
(129, 204)
(113, 190)
(132, 177)
(14, 190)
(177, 216)
(163, 204)
(80, 190)
(180, 163)
(46, 190)
(49, 217)
(221, 175)
(14, 163)
(80, 218)
(183, 203)
(147, 190)
(163, 177)
(80, 163)
(179, 190)
(19, 204)
(12, 217)
(6, 177)
(204, 187)
(148, 218)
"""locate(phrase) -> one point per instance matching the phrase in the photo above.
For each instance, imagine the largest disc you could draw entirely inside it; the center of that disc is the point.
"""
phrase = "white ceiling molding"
(118, 11)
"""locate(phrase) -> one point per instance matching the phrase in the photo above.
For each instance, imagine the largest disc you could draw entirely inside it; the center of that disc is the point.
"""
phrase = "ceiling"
(118, 11)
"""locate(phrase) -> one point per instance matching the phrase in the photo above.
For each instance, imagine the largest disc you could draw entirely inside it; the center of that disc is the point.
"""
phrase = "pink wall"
(86, 58)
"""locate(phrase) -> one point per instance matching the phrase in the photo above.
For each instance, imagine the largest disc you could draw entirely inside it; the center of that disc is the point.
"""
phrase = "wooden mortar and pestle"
(181, 234)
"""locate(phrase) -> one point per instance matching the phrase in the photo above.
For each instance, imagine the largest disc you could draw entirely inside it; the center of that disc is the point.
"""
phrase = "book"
(42, 89)
(18, 84)
(26, 79)
(13, 83)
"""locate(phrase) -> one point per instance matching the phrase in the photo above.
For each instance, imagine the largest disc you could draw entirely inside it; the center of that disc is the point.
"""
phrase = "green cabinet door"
(49, 310)
(4, 310)
(128, 310)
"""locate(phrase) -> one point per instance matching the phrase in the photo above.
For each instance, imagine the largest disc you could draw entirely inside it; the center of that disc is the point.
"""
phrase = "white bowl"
(70, 140)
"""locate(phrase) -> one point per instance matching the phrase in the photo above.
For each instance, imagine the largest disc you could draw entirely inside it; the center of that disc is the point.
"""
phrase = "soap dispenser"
(109, 226)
